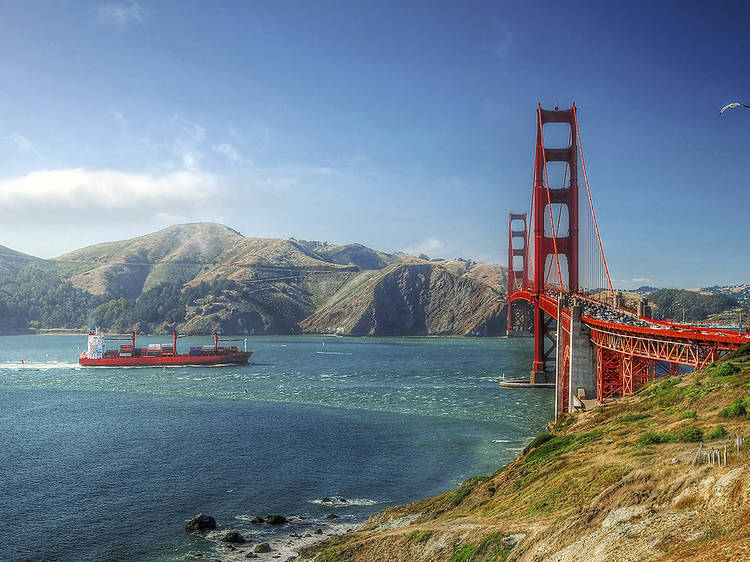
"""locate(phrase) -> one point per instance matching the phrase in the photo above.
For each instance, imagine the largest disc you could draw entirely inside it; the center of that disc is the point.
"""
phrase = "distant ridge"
(201, 277)
(11, 261)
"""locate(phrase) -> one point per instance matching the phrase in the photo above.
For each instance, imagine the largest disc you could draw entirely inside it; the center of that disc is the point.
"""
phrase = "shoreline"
(298, 534)
(81, 332)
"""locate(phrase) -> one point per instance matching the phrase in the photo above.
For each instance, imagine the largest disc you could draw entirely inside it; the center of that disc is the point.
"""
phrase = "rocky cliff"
(412, 298)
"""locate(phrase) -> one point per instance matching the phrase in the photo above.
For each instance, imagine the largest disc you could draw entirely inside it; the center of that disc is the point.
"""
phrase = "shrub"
(464, 554)
(691, 435)
(465, 489)
(633, 417)
(538, 440)
(725, 369)
(419, 536)
(688, 414)
(718, 432)
(733, 410)
(653, 438)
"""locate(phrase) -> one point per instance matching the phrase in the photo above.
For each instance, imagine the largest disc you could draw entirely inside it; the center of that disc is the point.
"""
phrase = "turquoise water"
(109, 463)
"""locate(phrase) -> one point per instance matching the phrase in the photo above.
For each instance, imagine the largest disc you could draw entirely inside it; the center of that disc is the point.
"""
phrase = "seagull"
(732, 106)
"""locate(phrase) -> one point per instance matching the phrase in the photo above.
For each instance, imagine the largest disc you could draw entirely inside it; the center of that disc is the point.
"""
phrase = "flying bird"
(732, 106)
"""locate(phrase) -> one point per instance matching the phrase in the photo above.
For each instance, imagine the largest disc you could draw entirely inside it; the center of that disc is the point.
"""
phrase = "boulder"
(233, 537)
(326, 500)
(332, 516)
(251, 555)
(343, 500)
(257, 520)
(200, 523)
(275, 519)
(262, 547)
(511, 541)
(318, 531)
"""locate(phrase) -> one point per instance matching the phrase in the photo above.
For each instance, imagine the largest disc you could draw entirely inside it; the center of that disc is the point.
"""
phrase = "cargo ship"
(159, 355)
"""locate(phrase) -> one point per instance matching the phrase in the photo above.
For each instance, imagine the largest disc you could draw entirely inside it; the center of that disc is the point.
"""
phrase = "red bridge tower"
(551, 243)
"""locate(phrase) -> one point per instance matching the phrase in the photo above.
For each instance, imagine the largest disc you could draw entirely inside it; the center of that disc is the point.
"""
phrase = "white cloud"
(122, 14)
(186, 147)
(92, 191)
(641, 279)
(429, 246)
(23, 143)
(119, 117)
(191, 159)
(228, 151)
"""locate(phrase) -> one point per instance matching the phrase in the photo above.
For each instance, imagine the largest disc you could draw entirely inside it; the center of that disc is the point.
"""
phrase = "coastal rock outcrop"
(262, 547)
(276, 519)
(233, 537)
(200, 523)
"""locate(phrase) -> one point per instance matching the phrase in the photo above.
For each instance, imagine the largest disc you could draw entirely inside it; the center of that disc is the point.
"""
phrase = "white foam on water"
(332, 353)
(349, 501)
(38, 366)
(282, 548)
(504, 441)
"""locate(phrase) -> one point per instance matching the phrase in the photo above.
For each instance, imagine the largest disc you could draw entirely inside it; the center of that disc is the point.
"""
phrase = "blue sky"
(400, 125)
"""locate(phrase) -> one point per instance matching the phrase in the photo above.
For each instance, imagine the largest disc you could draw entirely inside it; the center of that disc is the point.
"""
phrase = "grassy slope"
(614, 483)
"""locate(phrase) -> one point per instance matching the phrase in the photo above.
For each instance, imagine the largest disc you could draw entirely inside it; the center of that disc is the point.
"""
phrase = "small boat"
(159, 355)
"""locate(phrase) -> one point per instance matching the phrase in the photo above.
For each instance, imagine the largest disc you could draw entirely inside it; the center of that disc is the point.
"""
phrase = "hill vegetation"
(697, 306)
(628, 480)
(204, 277)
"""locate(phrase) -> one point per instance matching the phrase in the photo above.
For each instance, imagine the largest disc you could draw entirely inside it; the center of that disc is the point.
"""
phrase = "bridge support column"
(582, 361)
(545, 340)
(562, 362)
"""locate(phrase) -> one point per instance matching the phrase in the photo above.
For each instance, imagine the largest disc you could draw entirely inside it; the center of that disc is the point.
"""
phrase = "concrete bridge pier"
(582, 362)
(562, 348)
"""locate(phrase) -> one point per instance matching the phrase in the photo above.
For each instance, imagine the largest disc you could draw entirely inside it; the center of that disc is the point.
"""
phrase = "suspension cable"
(591, 205)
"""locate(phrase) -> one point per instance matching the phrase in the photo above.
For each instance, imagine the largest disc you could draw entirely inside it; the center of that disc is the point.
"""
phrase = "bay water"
(108, 464)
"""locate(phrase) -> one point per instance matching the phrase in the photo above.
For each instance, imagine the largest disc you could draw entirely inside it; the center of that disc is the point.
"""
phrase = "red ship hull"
(236, 358)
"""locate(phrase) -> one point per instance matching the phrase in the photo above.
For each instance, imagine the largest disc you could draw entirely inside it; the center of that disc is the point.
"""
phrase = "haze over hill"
(11, 261)
(203, 277)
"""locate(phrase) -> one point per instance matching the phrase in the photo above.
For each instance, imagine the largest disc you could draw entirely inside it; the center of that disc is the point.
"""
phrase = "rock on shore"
(201, 523)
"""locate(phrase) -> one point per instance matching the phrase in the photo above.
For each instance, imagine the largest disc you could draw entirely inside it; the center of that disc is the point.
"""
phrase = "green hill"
(203, 277)
(11, 261)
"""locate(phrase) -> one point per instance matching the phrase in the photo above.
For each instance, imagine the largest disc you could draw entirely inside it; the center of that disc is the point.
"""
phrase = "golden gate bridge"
(587, 342)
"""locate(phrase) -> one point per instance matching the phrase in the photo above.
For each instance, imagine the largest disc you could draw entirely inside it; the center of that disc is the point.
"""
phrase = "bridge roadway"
(626, 350)
(651, 339)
